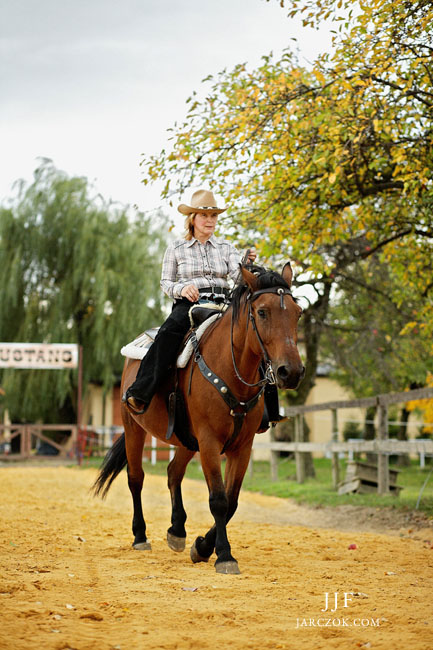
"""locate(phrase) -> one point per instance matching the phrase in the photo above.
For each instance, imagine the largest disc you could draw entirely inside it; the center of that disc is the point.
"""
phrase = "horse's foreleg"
(216, 537)
(237, 464)
(134, 441)
(176, 534)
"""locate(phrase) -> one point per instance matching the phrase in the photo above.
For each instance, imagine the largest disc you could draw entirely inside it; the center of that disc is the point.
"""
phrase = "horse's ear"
(249, 278)
(287, 273)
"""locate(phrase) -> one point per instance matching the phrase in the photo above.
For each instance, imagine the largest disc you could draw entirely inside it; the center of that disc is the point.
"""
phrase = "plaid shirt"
(204, 265)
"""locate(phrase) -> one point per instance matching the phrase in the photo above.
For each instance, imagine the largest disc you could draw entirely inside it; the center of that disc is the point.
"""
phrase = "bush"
(352, 430)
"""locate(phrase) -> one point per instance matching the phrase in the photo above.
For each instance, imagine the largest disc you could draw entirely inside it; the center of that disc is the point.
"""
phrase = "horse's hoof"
(195, 555)
(231, 567)
(175, 543)
(142, 546)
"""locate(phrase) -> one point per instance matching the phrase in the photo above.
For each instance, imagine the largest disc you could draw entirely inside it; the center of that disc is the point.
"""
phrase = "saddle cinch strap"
(238, 409)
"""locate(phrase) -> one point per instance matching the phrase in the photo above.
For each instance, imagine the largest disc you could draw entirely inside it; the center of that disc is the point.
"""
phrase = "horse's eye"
(262, 313)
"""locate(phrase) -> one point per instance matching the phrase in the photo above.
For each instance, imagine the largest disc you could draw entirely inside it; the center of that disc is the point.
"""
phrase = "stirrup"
(281, 418)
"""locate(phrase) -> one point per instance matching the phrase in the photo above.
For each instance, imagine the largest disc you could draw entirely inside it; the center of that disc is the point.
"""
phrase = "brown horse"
(222, 387)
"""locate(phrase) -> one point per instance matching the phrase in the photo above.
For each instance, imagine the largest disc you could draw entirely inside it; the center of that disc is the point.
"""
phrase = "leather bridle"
(238, 409)
(269, 377)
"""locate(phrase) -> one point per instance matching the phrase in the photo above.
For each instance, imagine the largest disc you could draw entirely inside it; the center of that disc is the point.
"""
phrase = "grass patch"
(317, 491)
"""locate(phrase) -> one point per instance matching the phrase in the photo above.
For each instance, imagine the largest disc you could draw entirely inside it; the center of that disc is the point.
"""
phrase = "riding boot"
(271, 413)
(153, 368)
(272, 404)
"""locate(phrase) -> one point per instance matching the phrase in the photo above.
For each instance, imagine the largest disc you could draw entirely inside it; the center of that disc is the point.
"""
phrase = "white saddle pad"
(138, 348)
(185, 355)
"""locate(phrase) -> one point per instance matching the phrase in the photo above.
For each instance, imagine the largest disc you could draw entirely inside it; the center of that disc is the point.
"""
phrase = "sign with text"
(38, 355)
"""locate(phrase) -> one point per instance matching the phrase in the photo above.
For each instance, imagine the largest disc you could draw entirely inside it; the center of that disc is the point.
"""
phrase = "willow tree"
(75, 269)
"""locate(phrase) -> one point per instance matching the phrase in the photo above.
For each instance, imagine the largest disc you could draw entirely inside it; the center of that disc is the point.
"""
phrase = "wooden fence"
(80, 443)
(382, 445)
(27, 432)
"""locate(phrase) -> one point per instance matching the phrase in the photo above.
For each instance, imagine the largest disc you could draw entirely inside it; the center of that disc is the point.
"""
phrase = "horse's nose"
(289, 376)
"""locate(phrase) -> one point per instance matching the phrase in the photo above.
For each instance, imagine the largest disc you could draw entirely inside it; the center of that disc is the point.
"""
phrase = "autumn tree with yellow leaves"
(327, 164)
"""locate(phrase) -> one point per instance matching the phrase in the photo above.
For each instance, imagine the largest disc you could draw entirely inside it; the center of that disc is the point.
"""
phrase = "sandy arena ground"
(69, 578)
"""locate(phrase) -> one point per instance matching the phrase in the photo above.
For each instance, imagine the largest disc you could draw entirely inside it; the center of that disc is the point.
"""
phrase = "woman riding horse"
(222, 385)
(194, 268)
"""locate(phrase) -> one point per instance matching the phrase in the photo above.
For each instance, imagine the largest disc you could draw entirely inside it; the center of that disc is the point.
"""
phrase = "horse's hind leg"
(176, 534)
(134, 441)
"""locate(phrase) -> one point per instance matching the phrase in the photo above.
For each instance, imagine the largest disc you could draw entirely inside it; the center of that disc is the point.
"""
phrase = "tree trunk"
(312, 322)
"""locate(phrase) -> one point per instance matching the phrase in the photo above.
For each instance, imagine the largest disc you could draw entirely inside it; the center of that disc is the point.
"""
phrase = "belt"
(214, 291)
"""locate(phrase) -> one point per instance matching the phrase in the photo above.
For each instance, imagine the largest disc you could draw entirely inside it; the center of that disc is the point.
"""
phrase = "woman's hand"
(251, 255)
(190, 292)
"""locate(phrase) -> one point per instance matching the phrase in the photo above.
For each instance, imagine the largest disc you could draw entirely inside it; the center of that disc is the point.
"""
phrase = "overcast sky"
(92, 84)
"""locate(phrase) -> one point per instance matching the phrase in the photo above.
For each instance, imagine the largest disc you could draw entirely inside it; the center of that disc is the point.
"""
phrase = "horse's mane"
(265, 278)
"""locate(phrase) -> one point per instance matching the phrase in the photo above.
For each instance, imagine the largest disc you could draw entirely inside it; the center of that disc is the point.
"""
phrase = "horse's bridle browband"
(238, 409)
(280, 291)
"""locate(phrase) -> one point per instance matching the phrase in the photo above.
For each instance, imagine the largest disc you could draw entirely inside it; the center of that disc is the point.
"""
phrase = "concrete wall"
(97, 410)
(320, 423)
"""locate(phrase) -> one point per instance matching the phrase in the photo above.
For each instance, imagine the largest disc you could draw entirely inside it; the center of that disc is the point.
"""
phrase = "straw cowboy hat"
(201, 201)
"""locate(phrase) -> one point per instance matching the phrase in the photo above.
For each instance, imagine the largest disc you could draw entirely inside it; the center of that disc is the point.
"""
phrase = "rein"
(238, 409)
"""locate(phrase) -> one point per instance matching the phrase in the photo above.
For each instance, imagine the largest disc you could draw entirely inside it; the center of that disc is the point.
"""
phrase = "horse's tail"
(113, 463)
